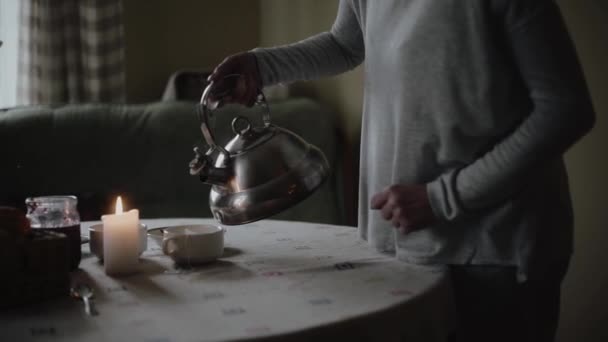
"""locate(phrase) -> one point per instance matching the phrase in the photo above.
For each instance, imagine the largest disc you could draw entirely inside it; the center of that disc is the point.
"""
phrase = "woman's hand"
(237, 79)
(406, 206)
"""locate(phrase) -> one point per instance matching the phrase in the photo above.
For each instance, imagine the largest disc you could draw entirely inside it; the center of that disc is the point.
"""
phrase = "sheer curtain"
(9, 35)
(71, 51)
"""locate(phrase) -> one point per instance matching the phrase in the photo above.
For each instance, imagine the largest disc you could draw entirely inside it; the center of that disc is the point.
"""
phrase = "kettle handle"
(204, 113)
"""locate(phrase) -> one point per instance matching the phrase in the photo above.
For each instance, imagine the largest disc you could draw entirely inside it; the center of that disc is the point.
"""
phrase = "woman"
(468, 109)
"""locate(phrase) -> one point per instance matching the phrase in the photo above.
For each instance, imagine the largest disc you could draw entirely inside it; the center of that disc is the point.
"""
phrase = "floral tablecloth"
(277, 280)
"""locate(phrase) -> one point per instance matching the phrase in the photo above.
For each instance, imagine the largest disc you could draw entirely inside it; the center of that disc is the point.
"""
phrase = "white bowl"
(96, 239)
(190, 244)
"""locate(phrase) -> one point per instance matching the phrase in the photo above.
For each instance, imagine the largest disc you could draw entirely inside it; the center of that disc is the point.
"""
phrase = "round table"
(276, 280)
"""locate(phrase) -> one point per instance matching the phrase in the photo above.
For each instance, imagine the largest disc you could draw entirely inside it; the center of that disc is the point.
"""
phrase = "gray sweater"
(477, 99)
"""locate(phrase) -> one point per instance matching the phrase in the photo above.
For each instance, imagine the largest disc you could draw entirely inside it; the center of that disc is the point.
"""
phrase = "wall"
(585, 299)
(165, 36)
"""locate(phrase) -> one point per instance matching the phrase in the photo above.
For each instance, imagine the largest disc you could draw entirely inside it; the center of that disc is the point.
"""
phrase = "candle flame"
(118, 205)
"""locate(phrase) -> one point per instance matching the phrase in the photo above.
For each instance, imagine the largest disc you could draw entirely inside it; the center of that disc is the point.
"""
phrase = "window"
(9, 36)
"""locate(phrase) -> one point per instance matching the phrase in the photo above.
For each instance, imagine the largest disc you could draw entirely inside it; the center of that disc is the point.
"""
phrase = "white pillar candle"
(121, 241)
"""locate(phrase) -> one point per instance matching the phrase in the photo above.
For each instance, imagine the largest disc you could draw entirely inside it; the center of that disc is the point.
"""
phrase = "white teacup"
(193, 244)
(96, 239)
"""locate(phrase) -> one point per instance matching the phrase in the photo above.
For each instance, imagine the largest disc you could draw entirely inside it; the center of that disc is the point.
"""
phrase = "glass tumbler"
(57, 214)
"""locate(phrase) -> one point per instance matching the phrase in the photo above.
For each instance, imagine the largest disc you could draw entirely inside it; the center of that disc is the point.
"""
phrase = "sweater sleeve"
(562, 113)
(328, 53)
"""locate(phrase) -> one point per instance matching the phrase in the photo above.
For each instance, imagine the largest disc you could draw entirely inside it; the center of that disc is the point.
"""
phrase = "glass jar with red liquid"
(58, 214)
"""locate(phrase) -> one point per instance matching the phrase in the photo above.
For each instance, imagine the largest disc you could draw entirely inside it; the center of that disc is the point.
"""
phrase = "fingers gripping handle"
(206, 106)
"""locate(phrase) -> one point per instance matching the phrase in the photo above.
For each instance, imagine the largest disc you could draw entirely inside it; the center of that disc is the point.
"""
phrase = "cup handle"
(168, 245)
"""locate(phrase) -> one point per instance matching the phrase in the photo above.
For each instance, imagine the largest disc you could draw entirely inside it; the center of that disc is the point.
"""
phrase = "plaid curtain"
(71, 51)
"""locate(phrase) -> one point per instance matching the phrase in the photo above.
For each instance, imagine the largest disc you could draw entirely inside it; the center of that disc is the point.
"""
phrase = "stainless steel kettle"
(260, 172)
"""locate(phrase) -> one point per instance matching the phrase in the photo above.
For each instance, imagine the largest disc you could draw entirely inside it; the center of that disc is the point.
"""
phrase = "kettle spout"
(202, 166)
(215, 176)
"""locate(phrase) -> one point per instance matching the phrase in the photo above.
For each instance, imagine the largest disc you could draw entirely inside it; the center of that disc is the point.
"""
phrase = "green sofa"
(99, 151)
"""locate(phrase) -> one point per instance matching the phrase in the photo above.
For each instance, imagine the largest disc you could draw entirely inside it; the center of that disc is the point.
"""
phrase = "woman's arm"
(328, 53)
(562, 113)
